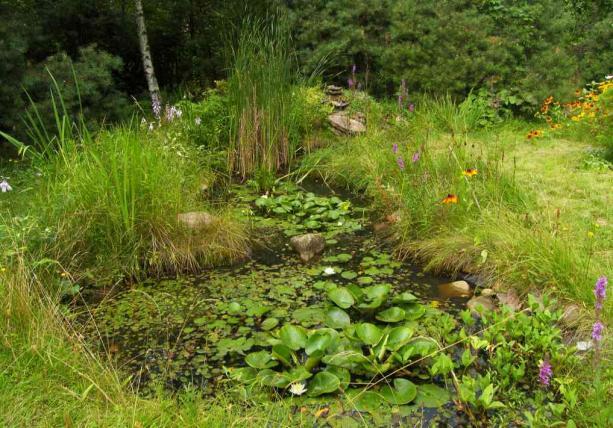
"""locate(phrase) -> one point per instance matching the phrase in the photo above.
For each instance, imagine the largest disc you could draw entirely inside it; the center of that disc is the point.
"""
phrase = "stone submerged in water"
(308, 245)
(454, 289)
(344, 125)
(196, 220)
(481, 303)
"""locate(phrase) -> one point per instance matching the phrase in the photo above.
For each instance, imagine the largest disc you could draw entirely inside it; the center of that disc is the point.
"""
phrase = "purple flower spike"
(400, 162)
(415, 157)
(545, 373)
(600, 290)
(411, 107)
(353, 69)
(395, 148)
(350, 83)
(597, 331)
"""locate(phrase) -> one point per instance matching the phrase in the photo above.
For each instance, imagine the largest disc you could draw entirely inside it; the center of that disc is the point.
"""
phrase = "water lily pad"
(430, 395)
(283, 354)
(337, 318)
(403, 392)
(323, 383)
(349, 274)
(269, 377)
(344, 257)
(418, 347)
(370, 334)
(260, 360)
(341, 297)
(294, 337)
(393, 314)
(269, 323)
(346, 359)
(243, 374)
(201, 321)
(414, 311)
(405, 297)
(363, 280)
(366, 401)
(318, 342)
(398, 337)
(344, 375)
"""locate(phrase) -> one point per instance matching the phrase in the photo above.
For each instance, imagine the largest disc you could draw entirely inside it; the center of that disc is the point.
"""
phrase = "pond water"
(184, 331)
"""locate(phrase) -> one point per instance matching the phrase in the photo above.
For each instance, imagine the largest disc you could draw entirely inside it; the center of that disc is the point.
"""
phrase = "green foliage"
(307, 212)
(259, 90)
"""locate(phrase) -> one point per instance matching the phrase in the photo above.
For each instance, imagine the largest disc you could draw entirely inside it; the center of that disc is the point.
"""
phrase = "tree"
(152, 83)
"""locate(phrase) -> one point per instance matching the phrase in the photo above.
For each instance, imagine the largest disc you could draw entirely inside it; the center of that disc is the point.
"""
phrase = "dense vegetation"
(148, 272)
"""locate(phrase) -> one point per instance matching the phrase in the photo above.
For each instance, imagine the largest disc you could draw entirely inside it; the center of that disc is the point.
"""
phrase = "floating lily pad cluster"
(371, 337)
(307, 212)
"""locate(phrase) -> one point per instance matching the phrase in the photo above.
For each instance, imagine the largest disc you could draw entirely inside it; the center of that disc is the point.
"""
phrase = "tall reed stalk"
(260, 94)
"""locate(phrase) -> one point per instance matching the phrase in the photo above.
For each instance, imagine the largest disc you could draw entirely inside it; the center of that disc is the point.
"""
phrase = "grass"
(260, 94)
(506, 226)
(107, 208)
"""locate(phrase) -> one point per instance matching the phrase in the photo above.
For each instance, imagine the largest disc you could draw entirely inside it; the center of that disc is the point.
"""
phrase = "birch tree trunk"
(152, 83)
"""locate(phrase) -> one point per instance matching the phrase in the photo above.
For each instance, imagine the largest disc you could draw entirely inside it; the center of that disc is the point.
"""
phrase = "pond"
(187, 330)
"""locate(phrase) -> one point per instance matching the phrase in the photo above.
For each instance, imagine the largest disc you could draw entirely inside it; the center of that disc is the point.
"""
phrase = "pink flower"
(597, 331)
(545, 373)
(400, 162)
(415, 157)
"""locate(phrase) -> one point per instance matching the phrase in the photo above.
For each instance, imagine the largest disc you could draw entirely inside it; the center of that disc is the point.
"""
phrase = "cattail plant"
(260, 94)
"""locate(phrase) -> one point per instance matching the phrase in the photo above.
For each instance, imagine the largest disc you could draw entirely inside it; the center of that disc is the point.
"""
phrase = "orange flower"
(534, 134)
(450, 199)
(470, 172)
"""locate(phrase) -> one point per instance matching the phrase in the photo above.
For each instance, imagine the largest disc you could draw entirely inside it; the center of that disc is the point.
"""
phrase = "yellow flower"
(590, 234)
(450, 199)
(470, 172)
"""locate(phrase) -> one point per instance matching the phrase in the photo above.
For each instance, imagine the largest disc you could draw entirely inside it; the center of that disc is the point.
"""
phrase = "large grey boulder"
(455, 289)
(196, 220)
(308, 245)
(344, 125)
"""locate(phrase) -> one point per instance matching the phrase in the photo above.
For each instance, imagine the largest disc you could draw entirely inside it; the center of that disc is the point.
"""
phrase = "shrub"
(96, 96)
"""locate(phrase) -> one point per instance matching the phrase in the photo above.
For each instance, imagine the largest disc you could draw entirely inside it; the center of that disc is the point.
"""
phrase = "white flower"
(584, 346)
(151, 126)
(143, 121)
(609, 76)
(329, 271)
(340, 223)
(297, 388)
(5, 186)
(198, 121)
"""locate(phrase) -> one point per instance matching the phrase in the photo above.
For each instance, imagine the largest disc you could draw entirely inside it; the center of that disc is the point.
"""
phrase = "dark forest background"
(521, 51)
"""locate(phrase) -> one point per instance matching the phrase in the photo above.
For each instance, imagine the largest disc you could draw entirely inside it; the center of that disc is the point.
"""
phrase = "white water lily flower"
(5, 186)
(297, 388)
(329, 271)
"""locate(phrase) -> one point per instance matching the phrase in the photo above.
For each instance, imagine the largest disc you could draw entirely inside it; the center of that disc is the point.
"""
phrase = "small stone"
(454, 289)
(196, 220)
(487, 303)
(571, 315)
(510, 299)
(308, 245)
(488, 292)
(380, 227)
(344, 125)
(339, 105)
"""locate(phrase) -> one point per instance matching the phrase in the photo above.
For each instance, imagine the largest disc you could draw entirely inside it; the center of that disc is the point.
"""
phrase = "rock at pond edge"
(455, 289)
(196, 220)
(308, 245)
(487, 303)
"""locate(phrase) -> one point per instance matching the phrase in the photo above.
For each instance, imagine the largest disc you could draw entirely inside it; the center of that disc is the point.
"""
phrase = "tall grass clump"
(108, 205)
(260, 98)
